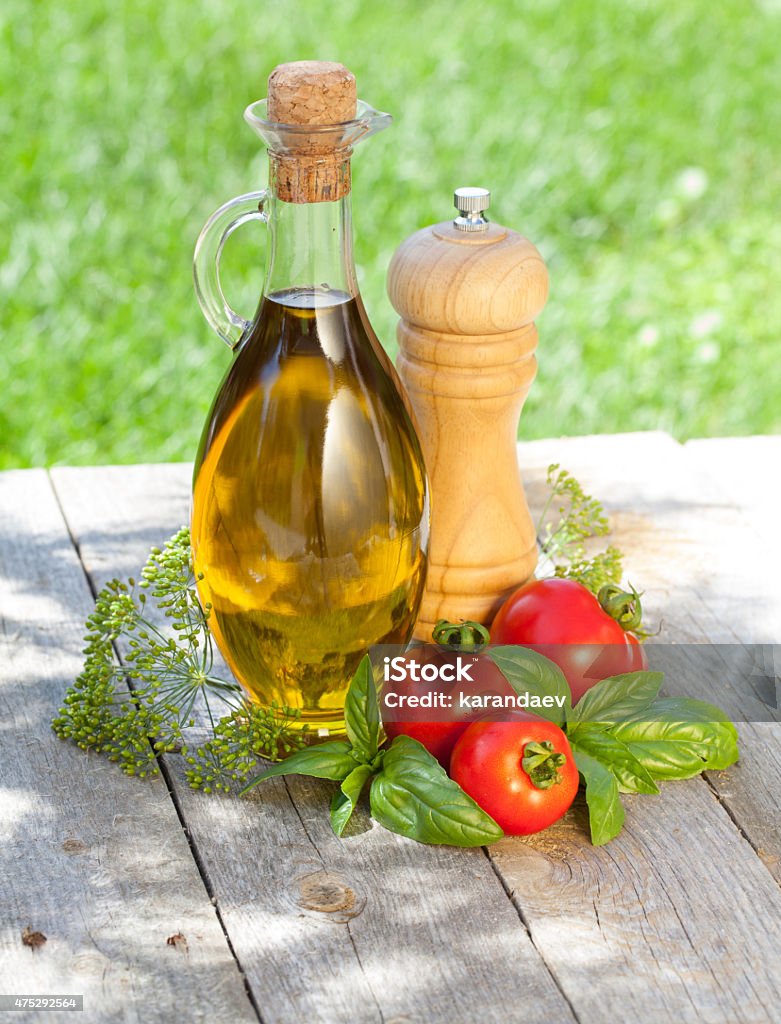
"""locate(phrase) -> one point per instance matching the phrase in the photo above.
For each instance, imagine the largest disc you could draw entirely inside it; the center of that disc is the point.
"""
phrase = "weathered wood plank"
(664, 916)
(686, 543)
(745, 470)
(91, 859)
(369, 928)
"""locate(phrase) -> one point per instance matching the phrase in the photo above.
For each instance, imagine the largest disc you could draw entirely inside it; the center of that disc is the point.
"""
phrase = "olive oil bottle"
(310, 500)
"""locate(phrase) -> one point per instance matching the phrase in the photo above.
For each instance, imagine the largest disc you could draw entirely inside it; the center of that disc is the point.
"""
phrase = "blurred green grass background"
(637, 144)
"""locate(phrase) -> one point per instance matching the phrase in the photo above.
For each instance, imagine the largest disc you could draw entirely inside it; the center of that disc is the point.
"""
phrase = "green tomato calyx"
(469, 636)
(621, 605)
(541, 762)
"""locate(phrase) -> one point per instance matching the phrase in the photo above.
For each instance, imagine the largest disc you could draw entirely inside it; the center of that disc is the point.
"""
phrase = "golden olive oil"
(310, 505)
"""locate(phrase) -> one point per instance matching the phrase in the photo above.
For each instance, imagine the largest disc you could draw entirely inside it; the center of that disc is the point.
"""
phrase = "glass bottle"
(310, 509)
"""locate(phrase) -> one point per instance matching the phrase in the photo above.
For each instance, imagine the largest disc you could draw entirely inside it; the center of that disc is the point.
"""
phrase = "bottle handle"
(206, 262)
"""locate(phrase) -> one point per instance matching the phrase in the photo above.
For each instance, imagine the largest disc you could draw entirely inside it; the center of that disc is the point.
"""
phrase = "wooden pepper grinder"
(468, 292)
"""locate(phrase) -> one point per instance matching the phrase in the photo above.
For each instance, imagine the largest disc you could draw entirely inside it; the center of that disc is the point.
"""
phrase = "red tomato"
(520, 771)
(438, 728)
(565, 622)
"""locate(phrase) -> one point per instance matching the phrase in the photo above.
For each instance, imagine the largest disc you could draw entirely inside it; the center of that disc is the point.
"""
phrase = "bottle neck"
(310, 244)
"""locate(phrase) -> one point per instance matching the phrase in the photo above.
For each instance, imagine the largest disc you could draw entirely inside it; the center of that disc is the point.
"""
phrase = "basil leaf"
(362, 712)
(629, 773)
(529, 672)
(677, 737)
(605, 811)
(347, 796)
(326, 761)
(414, 797)
(618, 697)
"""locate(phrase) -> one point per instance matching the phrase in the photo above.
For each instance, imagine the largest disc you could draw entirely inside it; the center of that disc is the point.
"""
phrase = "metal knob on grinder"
(471, 203)
(467, 291)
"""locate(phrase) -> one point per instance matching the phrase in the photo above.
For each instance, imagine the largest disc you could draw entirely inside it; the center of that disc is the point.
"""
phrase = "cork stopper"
(311, 92)
(311, 167)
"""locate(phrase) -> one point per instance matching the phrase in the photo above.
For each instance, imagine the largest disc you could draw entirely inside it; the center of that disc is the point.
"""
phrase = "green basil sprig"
(625, 738)
(410, 793)
(630, 773)
(677, 737)
(529, 672)
(347, 796)
(413, 796)
(605, 810)
(617, 697)
(622, 728)
(332, 760)
(362, 713)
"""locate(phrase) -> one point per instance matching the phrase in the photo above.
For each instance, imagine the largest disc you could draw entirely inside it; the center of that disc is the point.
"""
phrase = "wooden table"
(679, 919)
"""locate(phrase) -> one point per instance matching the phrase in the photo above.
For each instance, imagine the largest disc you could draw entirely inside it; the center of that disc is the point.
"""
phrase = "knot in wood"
(74, 847)
(326, 893)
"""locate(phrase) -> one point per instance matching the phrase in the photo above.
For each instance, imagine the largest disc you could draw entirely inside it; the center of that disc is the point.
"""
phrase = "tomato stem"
(541, 762)
(468, 636)
(621, 605)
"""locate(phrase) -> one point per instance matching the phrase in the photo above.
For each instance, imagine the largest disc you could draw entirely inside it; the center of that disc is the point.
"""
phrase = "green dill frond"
(570, 518)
